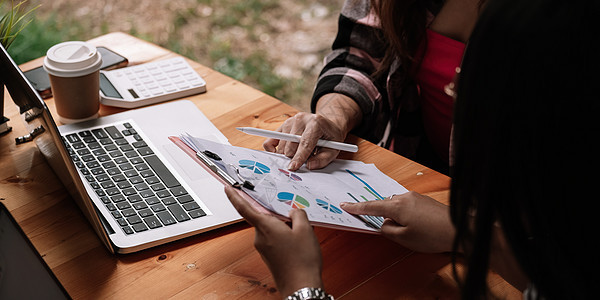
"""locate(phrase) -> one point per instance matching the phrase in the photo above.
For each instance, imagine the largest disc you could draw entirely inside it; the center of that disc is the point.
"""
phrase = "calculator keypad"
(153, 82)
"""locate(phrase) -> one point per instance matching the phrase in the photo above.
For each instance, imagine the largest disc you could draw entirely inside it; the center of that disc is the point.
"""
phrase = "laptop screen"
(37, 118)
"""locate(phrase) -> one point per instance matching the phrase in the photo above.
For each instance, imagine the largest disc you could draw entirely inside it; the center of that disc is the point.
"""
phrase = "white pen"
(296, 138)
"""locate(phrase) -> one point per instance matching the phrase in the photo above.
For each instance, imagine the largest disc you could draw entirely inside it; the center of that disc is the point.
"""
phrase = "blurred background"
(276, 46)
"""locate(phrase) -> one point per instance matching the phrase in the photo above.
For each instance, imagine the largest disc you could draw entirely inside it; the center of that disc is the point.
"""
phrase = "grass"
(253, 68)
(213, 42)
(240, 13)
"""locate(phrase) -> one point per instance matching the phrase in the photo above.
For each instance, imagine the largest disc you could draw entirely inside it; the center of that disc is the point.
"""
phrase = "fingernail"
(293, 165)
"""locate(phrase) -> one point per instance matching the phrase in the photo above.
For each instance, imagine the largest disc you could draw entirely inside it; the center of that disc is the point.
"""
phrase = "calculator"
(149, 83)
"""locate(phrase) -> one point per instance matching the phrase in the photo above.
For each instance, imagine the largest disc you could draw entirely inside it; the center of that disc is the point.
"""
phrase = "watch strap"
(309, 293)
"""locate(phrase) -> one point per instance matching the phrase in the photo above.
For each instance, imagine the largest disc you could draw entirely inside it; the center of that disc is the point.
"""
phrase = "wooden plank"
(250, 277)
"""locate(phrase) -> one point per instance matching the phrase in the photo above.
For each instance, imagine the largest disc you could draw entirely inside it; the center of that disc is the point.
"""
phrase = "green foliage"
(39, 36)
(13, 21)
(245, 14)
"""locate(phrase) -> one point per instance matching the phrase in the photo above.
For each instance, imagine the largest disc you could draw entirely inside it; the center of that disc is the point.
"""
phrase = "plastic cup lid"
(72, 59)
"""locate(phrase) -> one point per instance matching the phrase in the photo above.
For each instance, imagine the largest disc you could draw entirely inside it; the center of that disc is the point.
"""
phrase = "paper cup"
(74, 71)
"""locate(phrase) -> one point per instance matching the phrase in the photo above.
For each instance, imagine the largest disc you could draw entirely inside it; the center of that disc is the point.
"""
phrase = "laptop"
(137, 189)
(23, 272)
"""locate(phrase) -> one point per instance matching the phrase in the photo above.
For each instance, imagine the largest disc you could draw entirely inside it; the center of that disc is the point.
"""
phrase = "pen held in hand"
(296, 138)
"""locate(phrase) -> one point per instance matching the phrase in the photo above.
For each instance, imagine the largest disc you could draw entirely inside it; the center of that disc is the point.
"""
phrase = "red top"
(438, 67)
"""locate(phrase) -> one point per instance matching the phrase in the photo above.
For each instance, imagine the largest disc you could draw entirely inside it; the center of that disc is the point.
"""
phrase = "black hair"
(525, 144)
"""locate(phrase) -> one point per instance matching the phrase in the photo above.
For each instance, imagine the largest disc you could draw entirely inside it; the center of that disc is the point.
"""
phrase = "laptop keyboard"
(132, 182)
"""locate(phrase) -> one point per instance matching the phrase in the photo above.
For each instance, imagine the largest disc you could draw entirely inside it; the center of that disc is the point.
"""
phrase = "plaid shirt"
(391, 114)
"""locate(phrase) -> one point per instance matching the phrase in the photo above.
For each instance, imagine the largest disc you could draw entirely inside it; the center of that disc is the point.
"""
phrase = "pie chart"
(328, 206)
(292, 200)
(255, 166)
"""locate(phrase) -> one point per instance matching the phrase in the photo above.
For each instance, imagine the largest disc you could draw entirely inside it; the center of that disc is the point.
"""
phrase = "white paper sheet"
(318, 192)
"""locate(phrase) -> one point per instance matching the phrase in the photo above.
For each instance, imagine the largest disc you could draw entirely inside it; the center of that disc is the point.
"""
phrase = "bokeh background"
(276, 46)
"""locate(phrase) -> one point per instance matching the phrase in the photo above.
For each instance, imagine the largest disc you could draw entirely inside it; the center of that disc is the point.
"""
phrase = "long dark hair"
(403, 24)
(526, 144)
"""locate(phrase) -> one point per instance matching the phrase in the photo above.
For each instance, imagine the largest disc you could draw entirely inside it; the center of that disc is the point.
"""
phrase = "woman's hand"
(336, 116)
(278, 244)
(415, 221)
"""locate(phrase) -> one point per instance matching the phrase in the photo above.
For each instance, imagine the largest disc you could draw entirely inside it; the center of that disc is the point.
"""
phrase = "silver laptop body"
(153, 125)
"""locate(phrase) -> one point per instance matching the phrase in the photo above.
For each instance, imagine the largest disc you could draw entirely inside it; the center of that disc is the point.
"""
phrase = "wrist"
(299, 283)
(340, 110)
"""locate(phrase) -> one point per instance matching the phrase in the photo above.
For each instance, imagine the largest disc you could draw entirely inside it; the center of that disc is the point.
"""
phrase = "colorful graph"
(290, 175)
(328, 206)
(292, 200)
(255, 166)
(367, 187)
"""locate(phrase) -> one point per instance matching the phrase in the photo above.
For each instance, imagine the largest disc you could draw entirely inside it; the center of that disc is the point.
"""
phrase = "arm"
(345, 95)
(503, 262)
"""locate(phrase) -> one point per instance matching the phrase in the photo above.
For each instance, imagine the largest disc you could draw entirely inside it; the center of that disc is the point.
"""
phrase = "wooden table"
(221, 264)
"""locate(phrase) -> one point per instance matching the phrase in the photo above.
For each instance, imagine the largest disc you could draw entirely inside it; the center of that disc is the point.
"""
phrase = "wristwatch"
(309, 293)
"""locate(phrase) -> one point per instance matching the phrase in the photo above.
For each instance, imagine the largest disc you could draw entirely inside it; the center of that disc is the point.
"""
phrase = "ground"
(275, 45)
